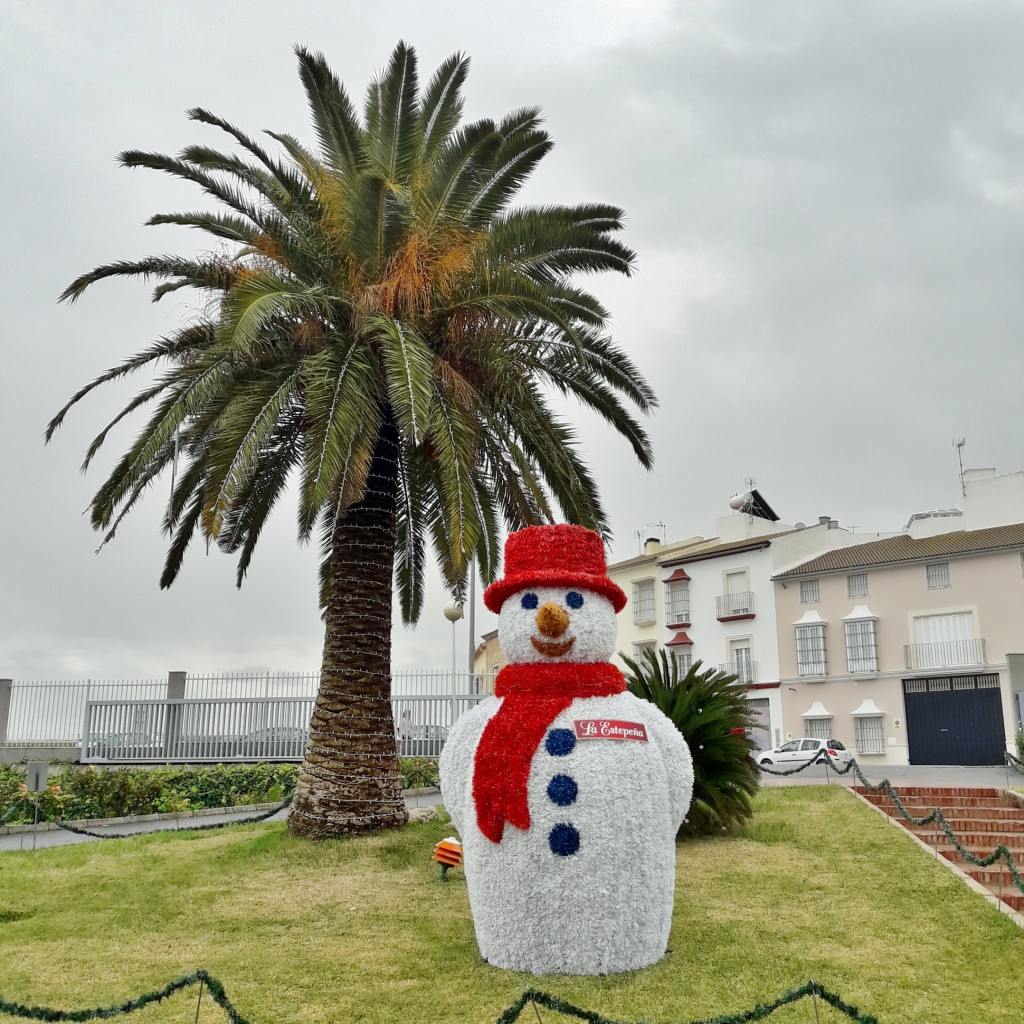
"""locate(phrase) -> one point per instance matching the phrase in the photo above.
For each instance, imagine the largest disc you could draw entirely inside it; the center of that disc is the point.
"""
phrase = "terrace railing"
(947, 654)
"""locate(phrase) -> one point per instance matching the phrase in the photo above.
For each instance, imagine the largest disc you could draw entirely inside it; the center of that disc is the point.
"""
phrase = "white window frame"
(858, 588)
(677, 602)
(810, 591)
(683, 657)
(810, 638)
(861, 657)
(737, 644)
(639, 646)
(869, 734)
(818, 728)
(644, 609)
(936, 575)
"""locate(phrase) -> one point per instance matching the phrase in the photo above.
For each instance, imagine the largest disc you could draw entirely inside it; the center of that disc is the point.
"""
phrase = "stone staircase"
(981, 820)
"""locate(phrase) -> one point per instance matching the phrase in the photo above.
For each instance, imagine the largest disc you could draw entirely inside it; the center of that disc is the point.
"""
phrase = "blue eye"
(574, 599)
(530, 601)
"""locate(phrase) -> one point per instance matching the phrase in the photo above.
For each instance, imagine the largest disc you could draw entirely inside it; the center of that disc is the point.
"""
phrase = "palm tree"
(712, 713)
(381, 324)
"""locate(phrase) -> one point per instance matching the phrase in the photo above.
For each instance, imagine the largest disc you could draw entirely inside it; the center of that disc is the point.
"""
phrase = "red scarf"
(534, 696)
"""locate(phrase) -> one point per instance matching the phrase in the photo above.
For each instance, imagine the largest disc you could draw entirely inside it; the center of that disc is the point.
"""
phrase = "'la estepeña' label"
(609, 729)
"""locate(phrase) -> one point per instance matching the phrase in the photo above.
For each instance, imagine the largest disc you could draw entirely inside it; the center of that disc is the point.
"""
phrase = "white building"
(713, 599)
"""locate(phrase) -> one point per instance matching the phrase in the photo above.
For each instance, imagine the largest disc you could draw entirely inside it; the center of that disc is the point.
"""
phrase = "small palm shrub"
(711, 712)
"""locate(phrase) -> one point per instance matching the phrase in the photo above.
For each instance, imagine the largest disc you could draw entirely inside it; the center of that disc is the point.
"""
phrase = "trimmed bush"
(90, 792)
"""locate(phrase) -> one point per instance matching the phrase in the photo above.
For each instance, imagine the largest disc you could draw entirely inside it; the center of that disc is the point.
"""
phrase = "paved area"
(906, 775)
(58, 837)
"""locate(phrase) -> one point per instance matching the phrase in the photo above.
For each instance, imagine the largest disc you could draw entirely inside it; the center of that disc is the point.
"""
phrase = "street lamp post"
(453, 612)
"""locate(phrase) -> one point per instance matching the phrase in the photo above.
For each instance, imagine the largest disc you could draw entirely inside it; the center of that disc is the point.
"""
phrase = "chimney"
(651, 545)
(824, 520)
(833, 524)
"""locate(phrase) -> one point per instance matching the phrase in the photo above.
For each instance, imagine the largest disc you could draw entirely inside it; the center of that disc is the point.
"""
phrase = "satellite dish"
(739, 501)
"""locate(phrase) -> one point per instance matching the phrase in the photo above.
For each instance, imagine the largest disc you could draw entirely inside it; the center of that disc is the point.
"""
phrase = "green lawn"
(362, 931)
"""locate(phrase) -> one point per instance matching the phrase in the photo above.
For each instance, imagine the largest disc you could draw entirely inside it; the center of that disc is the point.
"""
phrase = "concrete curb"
(933, 854)
(422, 791)
(129, 819)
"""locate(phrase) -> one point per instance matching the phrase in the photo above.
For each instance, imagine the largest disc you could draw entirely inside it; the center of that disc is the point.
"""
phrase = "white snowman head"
(557, 624)
(555, 602)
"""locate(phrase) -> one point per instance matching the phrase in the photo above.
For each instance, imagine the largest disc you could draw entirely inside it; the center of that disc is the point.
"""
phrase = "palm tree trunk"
(350, 782)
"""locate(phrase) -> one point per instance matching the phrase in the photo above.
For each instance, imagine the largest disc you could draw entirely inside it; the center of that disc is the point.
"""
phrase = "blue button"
(564, 840)
(563, 790)
(560, 742)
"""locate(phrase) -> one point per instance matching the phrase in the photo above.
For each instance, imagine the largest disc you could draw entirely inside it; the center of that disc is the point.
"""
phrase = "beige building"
(488, 658)
(907, 649)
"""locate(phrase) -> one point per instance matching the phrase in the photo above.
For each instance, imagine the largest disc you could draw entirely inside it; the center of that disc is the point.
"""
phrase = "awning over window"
(679, 576)
(680, 640)
(861, 611)
(817, 710)
(867, 710)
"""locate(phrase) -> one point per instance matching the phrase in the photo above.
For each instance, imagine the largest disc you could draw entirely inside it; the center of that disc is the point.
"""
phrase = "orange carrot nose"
(552, 619)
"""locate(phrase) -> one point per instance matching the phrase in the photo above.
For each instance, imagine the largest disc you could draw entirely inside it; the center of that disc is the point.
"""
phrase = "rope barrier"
(531, 997)
(1001, 852)
(188, 828)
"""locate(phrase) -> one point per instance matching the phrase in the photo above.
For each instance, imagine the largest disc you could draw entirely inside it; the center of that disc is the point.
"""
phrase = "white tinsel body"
(607, 907)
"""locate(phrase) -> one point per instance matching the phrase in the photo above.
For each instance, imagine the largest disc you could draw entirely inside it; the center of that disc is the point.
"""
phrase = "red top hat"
(554, 556)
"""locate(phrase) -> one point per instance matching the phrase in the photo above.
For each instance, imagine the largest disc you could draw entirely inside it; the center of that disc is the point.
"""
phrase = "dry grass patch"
(817, 887)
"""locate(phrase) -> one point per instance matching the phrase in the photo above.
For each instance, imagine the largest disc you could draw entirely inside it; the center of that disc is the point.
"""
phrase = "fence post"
(5, 707)
(172, 727)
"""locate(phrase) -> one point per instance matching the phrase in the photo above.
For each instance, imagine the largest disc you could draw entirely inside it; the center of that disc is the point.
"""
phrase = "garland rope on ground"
(1001, 852)
(531, 997)
(187, 828)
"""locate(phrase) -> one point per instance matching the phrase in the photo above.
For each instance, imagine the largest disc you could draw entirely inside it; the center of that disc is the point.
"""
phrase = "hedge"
(90, 792)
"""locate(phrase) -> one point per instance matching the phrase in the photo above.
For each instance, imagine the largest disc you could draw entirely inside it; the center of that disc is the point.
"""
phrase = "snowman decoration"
(566, 789)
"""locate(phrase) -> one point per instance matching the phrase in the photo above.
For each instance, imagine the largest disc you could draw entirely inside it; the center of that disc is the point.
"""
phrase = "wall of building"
(988, 586)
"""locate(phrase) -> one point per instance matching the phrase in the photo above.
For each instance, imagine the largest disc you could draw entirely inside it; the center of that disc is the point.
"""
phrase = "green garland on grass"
(188, 828)
(200, 977)
(811, 990)
(530, 997)
(1001, 852)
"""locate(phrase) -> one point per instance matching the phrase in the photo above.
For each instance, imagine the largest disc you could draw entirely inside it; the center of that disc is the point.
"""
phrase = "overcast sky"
(826, 199)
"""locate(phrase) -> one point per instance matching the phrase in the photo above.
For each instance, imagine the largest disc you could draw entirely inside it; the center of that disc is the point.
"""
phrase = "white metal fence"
(52, 713)
(244, 728)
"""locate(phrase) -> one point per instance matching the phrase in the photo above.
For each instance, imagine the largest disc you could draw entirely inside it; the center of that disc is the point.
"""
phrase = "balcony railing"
(949, 654)
(734, 606)
(744, 671)
(678, 615)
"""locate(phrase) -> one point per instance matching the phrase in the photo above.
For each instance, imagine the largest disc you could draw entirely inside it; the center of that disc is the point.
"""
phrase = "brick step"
(1007, 814)
(963, 862)
(939, 791)
(1015, 900)
(972, 826)
(993, 877)
(980, 843)
(908, 801)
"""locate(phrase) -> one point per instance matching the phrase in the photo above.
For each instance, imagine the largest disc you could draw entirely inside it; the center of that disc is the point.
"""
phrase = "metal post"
(472, 615)
(453, 612)
(6, 686)
(172, 722)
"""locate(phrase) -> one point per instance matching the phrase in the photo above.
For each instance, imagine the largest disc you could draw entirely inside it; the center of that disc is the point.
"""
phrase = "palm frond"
(442, 103)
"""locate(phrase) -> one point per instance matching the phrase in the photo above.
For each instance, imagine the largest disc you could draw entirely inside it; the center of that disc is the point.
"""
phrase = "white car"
(796, 752)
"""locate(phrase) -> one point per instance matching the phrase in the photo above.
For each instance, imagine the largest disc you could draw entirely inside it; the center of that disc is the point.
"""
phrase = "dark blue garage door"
(954, 720)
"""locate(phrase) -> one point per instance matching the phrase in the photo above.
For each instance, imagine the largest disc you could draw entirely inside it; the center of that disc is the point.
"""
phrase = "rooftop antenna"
(664, 535)
(958, 444)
